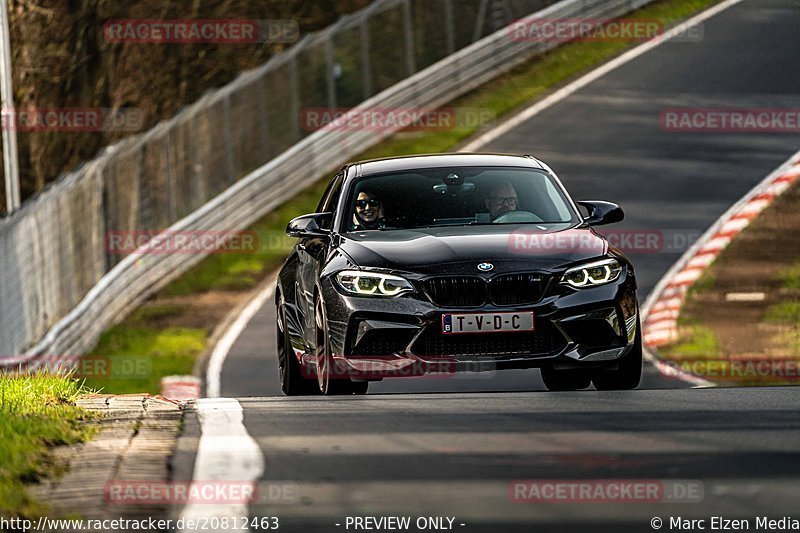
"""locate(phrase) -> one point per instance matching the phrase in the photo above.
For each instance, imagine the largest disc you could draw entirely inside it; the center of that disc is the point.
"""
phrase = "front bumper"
(373, 338)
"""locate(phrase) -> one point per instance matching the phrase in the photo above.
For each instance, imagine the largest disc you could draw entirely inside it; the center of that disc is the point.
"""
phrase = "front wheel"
(330, 384)
(629, 372)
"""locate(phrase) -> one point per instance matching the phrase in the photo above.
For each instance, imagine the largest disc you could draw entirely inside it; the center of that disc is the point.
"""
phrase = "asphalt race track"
(452, 446)
(457, 455)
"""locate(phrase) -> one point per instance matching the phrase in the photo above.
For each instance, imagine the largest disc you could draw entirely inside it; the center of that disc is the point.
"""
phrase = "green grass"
(790, 278)
(697, 342)
(787, 314)
(499, 97)
(791, 340)
(36, 411)
(130, 359)
(784, 312)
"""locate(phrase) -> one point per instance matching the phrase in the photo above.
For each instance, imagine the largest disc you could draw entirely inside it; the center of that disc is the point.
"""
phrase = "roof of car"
(463, 159)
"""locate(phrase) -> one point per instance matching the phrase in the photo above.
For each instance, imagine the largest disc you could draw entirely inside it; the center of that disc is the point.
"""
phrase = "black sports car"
(450, 263)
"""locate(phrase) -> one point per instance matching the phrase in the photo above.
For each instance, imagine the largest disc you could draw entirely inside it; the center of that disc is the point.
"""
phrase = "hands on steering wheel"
(516, 216)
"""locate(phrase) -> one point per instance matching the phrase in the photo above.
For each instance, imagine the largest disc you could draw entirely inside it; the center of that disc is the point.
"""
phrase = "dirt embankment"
(62, 59)
(748, 302)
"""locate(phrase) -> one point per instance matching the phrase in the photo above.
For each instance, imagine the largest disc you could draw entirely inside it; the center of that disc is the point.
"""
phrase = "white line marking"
(484, 139)
(745, 297)
(226, 452)
(223, 347)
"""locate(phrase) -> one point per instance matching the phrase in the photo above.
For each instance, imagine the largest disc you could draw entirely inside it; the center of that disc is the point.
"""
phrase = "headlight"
(591, 274)
(372, 283)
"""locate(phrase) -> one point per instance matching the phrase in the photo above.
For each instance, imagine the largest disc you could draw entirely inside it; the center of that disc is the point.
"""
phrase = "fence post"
(172, 186)
(143, 208)
(331, 81)
(294, 88)
(264, 117)
(409, 38)
(226, 124)
(449, 27)
(478, 31)
(200, 189)
(365, 59)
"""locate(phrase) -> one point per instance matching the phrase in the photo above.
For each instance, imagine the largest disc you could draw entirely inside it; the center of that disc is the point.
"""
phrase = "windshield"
(456, 196)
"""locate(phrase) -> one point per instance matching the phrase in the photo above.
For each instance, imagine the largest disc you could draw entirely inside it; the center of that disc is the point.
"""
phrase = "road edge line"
(233, 326)
(225, 452)
(593, 75)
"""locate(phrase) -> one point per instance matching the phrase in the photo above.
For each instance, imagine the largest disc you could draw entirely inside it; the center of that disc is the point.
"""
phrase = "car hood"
(507, 247)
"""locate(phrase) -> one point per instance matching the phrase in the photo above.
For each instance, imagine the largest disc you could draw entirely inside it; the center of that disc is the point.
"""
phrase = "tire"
(359, 387)
(629, 373)
(564, 380)
(292, 381)
(327, 385)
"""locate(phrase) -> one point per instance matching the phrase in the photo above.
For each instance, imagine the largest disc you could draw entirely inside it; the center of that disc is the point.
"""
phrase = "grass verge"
(502, 96)
(697, 342)
(36, 411)
(790, 278)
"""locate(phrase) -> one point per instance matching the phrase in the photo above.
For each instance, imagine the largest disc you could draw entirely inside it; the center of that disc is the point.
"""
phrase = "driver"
(369, 212)
(502, 199)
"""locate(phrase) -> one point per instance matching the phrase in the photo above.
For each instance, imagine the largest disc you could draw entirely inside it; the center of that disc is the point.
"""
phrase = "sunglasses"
(362, 204)
(508, 200)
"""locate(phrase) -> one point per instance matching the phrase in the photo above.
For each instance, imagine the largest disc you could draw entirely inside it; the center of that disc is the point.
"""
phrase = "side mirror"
(601, 213)
(310, 225)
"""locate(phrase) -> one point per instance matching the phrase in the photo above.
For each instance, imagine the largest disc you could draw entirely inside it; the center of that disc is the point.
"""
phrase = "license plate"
(487, 322)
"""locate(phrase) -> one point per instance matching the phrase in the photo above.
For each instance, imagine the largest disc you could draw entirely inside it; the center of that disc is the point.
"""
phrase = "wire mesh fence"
(236, 154)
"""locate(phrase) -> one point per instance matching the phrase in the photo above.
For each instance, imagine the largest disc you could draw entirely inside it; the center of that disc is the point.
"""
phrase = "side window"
(331, 197)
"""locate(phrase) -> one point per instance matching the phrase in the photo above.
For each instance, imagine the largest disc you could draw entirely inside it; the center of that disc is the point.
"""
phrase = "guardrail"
(41, 277)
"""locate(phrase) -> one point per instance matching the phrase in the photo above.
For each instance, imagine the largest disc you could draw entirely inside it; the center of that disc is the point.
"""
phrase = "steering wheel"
(516, 216)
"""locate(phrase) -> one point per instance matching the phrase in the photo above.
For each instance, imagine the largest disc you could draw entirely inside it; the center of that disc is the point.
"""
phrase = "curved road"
(444, 452)
(606, 142)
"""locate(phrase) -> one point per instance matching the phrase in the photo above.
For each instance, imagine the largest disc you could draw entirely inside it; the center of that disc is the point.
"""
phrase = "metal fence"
(238, 153)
